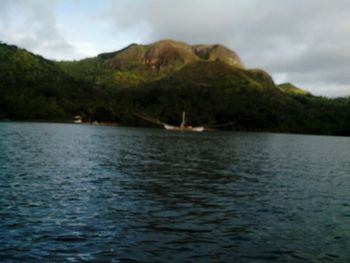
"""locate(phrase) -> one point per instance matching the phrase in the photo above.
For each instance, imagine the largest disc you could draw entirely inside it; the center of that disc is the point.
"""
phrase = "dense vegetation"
(211, 92)
(33, 88)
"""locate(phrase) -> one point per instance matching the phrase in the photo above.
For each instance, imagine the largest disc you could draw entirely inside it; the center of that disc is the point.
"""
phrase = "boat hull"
(183, 128)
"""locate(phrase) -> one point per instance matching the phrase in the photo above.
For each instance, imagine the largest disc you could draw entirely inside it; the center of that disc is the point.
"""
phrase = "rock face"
(218, 53)
(167, 55)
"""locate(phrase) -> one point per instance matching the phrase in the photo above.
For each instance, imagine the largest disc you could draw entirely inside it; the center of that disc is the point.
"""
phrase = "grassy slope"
(291, 89)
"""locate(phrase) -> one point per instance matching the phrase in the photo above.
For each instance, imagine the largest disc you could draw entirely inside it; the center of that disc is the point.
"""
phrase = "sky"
(305, 42)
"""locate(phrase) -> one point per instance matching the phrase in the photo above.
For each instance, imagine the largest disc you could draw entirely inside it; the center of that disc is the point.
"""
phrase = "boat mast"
(183, 119)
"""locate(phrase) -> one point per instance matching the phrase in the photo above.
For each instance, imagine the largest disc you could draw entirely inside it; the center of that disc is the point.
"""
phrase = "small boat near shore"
(183, 127)
(186, 128)
(77, 119)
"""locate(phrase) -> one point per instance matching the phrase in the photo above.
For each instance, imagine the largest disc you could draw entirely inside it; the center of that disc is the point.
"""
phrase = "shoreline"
(114, 124)
(107, 124)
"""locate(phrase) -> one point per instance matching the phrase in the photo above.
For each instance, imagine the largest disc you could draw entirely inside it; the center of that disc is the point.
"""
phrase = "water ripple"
(72, 193)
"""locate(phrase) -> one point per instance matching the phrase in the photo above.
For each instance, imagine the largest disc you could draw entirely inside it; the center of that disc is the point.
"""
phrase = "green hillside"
(213, 93)
(209, 82)
(33, 88)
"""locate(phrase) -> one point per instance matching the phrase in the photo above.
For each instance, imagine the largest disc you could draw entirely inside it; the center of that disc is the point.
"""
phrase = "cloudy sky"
(306, 42)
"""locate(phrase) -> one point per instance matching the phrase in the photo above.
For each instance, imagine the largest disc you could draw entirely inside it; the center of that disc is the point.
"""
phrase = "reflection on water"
(90, 193)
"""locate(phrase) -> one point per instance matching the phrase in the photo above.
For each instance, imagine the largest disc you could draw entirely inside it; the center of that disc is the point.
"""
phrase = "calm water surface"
(72, 193)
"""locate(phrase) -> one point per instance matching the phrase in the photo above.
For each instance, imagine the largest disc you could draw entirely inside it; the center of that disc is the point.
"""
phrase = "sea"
(89, 193)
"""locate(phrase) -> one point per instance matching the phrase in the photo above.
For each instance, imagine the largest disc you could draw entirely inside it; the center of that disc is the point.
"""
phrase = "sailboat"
(169, 127)
(183, 126)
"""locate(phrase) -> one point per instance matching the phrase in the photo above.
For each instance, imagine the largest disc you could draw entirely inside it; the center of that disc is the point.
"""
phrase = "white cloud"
(32, 24)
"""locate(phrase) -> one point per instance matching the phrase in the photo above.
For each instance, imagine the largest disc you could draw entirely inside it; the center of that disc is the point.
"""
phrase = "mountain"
(137, 64)
(166, 55)
(209, 82)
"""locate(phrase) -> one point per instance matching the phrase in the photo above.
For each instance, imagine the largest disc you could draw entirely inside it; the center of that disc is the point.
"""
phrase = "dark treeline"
(33, 88)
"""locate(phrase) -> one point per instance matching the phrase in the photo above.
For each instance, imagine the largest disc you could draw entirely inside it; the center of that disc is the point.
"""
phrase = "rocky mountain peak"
(165, 55)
